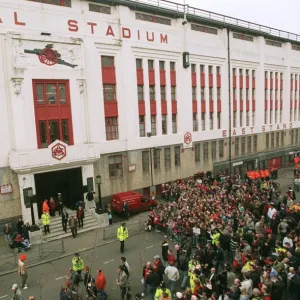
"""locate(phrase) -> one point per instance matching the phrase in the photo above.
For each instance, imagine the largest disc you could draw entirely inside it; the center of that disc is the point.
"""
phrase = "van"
(136, 202)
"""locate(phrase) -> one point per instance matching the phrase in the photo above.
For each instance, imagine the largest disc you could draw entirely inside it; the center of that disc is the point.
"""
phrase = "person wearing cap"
(22, 271)
(17, 294)
(77, 264)
(122, 236)
(46, 221)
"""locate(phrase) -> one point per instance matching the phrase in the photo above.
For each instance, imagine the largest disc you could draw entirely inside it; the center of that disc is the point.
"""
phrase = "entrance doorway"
(67, 182)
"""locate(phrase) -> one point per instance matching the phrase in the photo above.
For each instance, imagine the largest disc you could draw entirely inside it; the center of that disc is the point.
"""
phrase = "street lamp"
(33, 227)
(98, 182)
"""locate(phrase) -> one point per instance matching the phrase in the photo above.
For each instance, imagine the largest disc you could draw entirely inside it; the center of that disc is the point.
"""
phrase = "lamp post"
(98, 182)
(33, 227)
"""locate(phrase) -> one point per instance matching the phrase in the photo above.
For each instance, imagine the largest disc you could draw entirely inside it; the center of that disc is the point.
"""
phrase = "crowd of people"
(245, 235)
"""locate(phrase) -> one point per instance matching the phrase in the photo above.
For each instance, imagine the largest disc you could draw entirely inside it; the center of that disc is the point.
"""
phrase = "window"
(237, 146)
(205, 150)
(173, 93)
(234, 94)
(247, 94)
(177, 155)
(266, 75)
(194, 93)
(243, 145)
(210, 69)
(152, 92)
(115, 166)
(241, 72)
(241, 119)
(234, 71)
(253, 94)
(218, 70)
(107, 61)
(253, 73)
(51, 98)
(214, 150)
(167, 155)
(277, 138)
(162, 93)
(111, 126)
(241, 94)
(150, 64)
(292, 136)
(193, 68)
(201, 69)
(161, 65)
(211, 121)
(140, 90)
(139, 63)
(282, 138)
(280, 115)
(297, 137)
(203, 121)
(142, 126)
(174, 123)
(145, 161)
(247, 72)
(152, 18)
(197, 150)
(109, 92)
(210, 94)
(153, 125)
(156, 159)
(255, 143)
(204, 28)
(267, 141)
(249, 144)
(253, 118)
(219, 120)
(65, 3)
(164, 124)
(203, 94)
(234, 119)
(221, 148)
(247, 118)
(219, 93)
(172, 66)
(195, 122)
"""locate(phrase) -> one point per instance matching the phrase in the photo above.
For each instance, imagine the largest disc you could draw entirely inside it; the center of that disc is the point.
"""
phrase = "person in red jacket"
(171, 257)
(101, 284)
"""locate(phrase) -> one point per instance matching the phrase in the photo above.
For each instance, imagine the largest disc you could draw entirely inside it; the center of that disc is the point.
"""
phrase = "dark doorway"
(67, 182)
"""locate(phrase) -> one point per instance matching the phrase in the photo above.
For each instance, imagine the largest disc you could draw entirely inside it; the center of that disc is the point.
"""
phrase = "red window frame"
(47, 112)
(111, 128)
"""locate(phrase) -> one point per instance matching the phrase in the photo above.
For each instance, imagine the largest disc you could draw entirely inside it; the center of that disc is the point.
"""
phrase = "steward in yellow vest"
(122, 236)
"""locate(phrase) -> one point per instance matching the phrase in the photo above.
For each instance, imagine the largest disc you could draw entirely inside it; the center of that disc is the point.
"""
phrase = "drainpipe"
(230, 101)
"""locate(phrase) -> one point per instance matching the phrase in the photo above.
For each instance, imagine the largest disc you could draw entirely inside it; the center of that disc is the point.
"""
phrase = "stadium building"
(139, 93)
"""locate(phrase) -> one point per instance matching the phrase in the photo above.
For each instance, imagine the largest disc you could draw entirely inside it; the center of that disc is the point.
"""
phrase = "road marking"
(60, 277)
(3, 296)
(107, 262)
(149, 247)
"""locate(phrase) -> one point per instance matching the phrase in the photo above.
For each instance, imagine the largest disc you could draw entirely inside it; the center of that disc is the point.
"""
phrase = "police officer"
(122, 236)
(78, 265)
(46, 221)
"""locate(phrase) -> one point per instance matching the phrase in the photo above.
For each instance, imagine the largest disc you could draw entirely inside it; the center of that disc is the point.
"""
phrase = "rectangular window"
(172, 66)
(241, 119)
(109, 92)
(210, 69)
(282, 138)
(99, 8)
(253, 73)
(139, 63)
(39, 93)
(277, 138)
(62, 93)
(142, 126)
(243, 145)
(202, 69)
(156, 159)
(65, 3)
(280, 115)
(203, 121)
(266, 74)
(213, 150)
(173, 93)
(218, 70)
(247, 118)
(292, 136)
(267, 141)
(247, 72)
(255, 143)
(150, 64)
(161, 65)
(65, 131)
(152, 92)
(221, 148)
(234, 119)
(162, 93)
(234, 94)
(218, 93)
(145, 161)
(211, 121)
(237, 146)
(219, 120)
(167, 156)
(205, 150)
(193, 68)
(253, 94)
(140, 90)
(204, 28)
(241, 94)
(234, 71)
(203, 94)
(51, 93)
(249, 144)
(164, 124)
(115, 166)
(107, 61)
(194, 93)
(174, 123)
(111, 127)
(195, 122)
(253, 118)
(210, 94)
(247, 94)
(153, 125)
(241, 72)
(197, 150)
(177, 155)
(152, 18)
(43, 134)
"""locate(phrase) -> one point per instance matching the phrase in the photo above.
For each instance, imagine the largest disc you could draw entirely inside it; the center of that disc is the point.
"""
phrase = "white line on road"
(60, 277)
(107, 262)
(149, 247)
(3, 296)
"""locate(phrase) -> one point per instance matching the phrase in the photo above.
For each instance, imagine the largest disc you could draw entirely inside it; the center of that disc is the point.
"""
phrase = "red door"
(275, 163)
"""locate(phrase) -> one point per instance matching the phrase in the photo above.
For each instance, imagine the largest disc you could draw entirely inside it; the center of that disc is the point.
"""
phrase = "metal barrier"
(36, 254)
(134, 227)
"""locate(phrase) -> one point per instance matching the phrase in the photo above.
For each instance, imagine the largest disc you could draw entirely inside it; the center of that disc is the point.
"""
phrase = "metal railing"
(39, 253)
(215, 17)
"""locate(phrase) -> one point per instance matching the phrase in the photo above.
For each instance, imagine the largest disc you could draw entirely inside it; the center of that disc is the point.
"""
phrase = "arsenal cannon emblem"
(59, 151)
(187, 138)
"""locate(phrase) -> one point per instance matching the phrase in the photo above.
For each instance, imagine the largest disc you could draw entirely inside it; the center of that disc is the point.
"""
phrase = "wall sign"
(6, 189)
(59, 151)
(131, 168)
(187, 139)
(48, 56)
